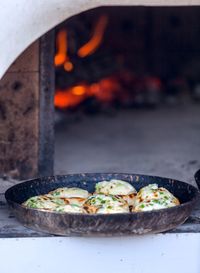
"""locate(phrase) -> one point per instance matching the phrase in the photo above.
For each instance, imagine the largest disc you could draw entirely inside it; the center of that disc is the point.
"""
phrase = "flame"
(105, 91)
(70, 97)
(78, 90)
(96, 38)
(61, 57)
(61, 43)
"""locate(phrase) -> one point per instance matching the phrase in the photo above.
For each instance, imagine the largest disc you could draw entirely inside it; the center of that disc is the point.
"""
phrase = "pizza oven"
(104, 92)
(97, 64)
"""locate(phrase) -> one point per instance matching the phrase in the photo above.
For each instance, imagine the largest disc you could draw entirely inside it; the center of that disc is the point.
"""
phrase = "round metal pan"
(70, 224)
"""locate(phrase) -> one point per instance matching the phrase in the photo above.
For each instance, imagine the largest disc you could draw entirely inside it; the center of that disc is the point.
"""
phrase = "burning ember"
(105, 91)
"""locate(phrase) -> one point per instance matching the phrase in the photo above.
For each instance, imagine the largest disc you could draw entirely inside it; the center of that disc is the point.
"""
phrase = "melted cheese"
(151, 198)
(115, 209)
(148, 206)
(51, 203)
(70, 193)
(117, 188)
(72, 208)
(45, 202)
(76, 201)
(113, 196)
(100, 203)
(114, 187)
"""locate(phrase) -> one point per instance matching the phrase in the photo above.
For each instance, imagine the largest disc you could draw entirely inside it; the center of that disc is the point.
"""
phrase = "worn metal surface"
(46, 115)
(101, 225)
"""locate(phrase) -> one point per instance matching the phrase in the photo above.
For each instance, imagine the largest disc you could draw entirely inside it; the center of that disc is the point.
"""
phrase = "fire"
(79, 90)
(61, 43)
(96, 39)
(121, 89)
(61, 57)
(105, 91)
(70, 97)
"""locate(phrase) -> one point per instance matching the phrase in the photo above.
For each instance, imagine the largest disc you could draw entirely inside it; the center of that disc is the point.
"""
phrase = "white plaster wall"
(161, 253)
(22, 21)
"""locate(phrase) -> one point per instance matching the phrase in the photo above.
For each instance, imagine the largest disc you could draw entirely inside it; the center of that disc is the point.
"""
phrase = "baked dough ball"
(101, 203)
(152, 197)
(118, 188)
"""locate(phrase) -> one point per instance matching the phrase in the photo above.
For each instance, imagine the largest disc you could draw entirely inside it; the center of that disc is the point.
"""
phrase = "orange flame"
(96, 39)
(105, 90)
(61, 57)
(70, 97)
(61, 43)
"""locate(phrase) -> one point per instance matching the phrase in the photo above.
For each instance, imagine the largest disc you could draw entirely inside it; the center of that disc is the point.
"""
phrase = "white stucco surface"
(22, 21)
(167, 253)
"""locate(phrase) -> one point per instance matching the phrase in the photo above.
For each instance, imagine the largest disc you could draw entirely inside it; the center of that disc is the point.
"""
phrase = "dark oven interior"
(127, 57)
(127, 91)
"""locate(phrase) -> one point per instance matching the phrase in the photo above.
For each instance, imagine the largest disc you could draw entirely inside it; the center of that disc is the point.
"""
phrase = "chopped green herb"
(56, 193)
(60, 209)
